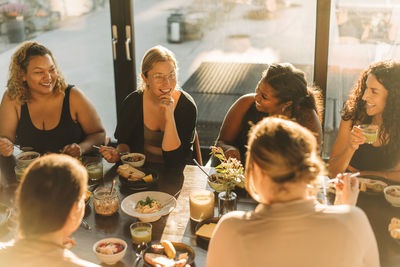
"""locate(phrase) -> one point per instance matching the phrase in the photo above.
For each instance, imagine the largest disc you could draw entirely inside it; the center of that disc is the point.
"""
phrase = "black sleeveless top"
(66, 132)
(370, 158)
(251, 117)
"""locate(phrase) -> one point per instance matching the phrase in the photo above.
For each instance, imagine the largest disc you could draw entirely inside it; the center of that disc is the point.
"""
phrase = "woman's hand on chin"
(167, 106)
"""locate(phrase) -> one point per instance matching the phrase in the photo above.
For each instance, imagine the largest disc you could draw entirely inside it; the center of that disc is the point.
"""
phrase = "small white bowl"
(392, 195)
(218, 187)
(25, 158)
(138, 163)
(110, 258)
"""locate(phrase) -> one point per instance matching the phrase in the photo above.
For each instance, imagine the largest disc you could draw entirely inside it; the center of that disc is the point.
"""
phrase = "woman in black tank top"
(40, 111)
(282, 90)
(375, 100)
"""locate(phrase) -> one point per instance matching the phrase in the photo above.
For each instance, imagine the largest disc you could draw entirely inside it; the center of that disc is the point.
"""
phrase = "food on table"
(129, 172)
(167, 259)
(370, 185)
(394, 192)
(87, 196)
(148, 178)
(206, 230)
(110, 248)
(394, 228)
(157, 248)
(148, 205)
(28, 157)
(134, 158)
(105, 203)
(169, 249)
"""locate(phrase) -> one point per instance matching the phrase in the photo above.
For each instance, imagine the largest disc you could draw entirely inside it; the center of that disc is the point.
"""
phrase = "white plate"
(129, 203)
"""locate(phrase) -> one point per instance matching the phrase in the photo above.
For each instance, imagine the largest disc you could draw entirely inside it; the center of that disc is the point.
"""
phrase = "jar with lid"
(105, 201)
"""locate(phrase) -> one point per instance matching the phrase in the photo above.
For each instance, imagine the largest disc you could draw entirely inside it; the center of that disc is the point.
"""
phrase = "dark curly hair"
(290, 85)
(388, 74)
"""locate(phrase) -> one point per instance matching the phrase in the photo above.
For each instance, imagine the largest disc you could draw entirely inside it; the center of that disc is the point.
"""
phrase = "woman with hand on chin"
(41, 111)
(158, 119)
(374, 100)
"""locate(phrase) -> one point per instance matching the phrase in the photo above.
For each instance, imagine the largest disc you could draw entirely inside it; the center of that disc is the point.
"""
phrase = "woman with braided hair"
(288, 227)
(375, 100)
(282, 90)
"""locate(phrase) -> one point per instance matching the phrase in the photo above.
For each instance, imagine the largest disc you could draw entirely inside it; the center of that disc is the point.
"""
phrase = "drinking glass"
(370, 132)
(141, 236)
(94, 167)
(201, 203)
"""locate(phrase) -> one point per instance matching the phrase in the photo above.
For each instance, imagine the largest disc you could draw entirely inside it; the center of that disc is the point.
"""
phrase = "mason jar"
(105, 202)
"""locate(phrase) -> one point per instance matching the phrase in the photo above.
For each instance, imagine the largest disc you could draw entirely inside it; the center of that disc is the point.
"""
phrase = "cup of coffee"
(201, 203)
(370, 132)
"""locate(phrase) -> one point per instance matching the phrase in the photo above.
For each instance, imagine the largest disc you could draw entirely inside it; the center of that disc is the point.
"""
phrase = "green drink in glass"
(370, 132)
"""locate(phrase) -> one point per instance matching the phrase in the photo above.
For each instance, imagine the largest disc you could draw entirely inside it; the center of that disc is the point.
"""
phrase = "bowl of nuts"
(133, 159)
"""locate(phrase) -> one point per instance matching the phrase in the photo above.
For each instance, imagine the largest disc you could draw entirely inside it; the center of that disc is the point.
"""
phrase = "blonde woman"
(287, 228)
(41, 111)
(158, 119)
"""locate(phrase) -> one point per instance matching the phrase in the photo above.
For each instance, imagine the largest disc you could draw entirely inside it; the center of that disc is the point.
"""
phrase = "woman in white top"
(288, 228)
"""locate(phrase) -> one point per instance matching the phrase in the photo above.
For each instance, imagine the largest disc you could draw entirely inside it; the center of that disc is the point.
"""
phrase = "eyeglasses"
(159, 78)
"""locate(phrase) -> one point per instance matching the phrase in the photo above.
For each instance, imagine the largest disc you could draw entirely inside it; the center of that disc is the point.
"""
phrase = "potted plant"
(12, 14)
(229, 173)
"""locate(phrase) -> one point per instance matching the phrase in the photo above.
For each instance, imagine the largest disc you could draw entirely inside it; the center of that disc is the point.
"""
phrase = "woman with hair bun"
(289, 228)
(282, 90)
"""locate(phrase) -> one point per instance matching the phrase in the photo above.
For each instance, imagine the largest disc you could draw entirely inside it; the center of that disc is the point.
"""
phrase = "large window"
(362, 32)
(222, 46)
(78, 34)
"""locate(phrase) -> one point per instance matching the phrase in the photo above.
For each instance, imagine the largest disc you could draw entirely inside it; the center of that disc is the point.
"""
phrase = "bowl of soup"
(23, 159)
(392, 195)
(133, 159)
(110, 250)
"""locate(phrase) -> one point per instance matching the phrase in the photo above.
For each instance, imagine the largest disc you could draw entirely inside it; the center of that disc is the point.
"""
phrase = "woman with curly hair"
(375, 100)
(282, 90)
(41, 111)
(282, 161)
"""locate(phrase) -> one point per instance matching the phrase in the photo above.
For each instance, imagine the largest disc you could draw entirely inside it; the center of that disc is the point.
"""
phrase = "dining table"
(177, 225)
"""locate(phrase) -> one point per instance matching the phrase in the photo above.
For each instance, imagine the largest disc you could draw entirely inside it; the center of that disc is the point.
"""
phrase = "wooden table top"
(177, 226)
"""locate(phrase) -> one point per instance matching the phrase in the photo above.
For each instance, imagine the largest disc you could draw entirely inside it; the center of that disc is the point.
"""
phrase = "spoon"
(120, 153)
(86, 225)
(171, 198)
(335, 180)
(112, 186)
(201, 168)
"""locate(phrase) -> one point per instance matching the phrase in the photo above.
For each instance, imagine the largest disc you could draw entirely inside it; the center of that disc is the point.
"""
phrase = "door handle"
(114, 40)
(127, 42)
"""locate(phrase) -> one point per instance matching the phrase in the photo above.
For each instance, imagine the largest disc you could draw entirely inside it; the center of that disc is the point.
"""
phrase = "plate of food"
(136, 178)
(148, 206)
(394, 229)
(5, 214)
(371, 186)
(167, 253)
(205, 229)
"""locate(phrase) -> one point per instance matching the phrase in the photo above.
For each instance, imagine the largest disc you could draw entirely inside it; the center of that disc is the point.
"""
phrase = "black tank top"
(251, 117)
(370, 158)
(66, 132)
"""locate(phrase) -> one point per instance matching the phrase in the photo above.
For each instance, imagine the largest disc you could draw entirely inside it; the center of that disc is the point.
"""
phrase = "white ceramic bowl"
(25, 158)
(129, 203)
(392, 195)
(110, 258)
(138, 163)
